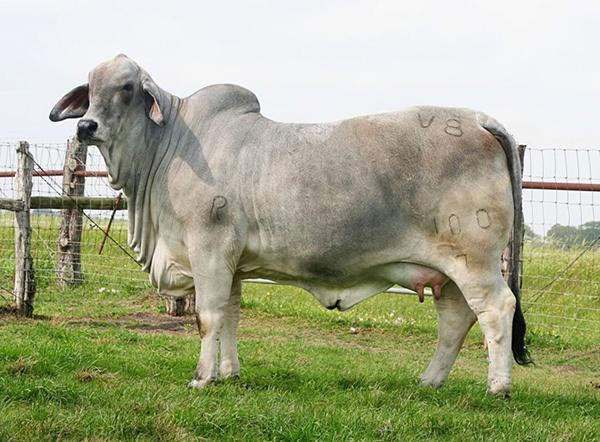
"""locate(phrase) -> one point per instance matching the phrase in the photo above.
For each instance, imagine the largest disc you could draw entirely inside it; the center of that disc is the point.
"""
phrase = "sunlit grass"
(98, 365)
(102, 361)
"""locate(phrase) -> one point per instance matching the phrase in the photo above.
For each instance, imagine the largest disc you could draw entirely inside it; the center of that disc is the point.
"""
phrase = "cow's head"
(119, 97)
(117, 106)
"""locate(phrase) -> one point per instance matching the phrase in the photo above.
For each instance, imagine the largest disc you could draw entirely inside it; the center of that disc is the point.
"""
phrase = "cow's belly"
(355, 288)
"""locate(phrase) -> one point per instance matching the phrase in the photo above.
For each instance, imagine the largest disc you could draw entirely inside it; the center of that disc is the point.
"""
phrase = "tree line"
(567, 236)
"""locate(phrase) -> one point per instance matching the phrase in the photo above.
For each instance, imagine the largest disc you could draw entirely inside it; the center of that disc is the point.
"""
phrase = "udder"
(416, 277)
(427, 277)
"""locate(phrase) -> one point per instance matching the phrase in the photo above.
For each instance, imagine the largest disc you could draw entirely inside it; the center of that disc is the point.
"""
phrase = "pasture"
(104, 362)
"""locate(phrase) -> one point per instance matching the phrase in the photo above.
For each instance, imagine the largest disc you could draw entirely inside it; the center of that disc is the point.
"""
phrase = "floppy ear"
(73, 105)
(154, 100)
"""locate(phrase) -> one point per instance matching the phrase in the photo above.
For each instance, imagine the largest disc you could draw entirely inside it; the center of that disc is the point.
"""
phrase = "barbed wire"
(106, 233)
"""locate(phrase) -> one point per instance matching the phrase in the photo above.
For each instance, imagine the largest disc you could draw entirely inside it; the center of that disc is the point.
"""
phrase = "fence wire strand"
(115, 269)
(94, 223)
(561, 250)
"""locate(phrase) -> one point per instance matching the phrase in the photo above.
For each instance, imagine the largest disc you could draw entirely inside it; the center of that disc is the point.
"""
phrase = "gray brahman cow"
(218, 193)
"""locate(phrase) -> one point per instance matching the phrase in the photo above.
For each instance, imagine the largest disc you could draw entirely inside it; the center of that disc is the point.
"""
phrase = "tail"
(519, 349)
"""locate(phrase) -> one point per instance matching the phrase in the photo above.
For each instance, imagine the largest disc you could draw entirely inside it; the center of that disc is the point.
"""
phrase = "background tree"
(563, 236)
(529, 234)
(589, 232)
(530, 237)
(569, 236)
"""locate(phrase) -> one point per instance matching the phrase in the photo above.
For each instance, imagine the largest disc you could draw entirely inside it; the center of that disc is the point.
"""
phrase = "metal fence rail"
(561, 203)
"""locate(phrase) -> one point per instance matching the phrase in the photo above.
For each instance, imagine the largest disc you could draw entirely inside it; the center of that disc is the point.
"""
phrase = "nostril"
(87, 127)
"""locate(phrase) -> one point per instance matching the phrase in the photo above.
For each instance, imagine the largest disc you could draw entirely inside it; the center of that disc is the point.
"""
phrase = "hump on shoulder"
(223, 97)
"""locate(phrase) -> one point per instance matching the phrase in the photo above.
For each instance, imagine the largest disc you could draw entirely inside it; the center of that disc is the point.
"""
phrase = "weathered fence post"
(180, 306)
(68, 263)
(24, 272)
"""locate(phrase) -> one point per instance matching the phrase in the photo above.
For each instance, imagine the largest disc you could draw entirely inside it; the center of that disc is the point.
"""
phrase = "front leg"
(213, 281)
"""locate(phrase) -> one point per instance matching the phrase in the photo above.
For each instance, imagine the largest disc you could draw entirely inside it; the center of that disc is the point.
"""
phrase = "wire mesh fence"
(561, 254)
(112, 270)
(561, 279)
(7, 233)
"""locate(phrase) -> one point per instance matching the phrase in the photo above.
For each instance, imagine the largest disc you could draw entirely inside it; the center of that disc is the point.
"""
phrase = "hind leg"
(455, 319)
(230, 364)
(494, 304)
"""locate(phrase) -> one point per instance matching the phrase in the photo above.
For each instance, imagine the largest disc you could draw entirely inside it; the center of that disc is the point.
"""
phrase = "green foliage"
(568, 236)
(529, 234)
(589, 232)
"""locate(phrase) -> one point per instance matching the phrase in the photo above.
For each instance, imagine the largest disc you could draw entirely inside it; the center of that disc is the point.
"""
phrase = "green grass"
(110, 365)
(562, 300)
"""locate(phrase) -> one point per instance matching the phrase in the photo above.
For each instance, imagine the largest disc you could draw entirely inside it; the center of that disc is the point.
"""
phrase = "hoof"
(431, 382)
(230, 376)
(200, 383)
(499, 394)
(229, 369)
(500, 389)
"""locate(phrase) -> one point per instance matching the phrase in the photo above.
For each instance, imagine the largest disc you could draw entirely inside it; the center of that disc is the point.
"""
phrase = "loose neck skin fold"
(133, 165)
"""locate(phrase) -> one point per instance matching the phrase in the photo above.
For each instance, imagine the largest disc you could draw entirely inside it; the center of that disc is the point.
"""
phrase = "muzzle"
(86, 129)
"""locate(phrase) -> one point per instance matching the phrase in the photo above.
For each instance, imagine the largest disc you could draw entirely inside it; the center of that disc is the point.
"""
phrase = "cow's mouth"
(89, 141)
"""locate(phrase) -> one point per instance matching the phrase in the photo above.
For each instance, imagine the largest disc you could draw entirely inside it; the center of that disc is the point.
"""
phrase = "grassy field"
(103, 362)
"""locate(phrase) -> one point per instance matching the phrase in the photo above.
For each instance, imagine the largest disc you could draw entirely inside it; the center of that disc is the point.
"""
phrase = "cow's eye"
(128, 87)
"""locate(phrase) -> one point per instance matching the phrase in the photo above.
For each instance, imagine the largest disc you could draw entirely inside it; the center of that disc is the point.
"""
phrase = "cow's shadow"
(289, 380)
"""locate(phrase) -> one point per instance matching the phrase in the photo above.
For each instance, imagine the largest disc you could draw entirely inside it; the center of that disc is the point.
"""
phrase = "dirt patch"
(154, 323)
(24, 365)
(283, 329)
(289, 329)
(275, 328)
(144, 322)
(8, 311)
(94, 373)
(586, 354)
(566, 368)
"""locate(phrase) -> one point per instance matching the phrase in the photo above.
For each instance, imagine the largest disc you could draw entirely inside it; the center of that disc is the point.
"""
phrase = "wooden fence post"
(180, 306)
(24, 272)
(68, 262)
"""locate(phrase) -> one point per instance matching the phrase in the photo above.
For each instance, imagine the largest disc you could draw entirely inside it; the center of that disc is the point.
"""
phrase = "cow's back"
(331, 196)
